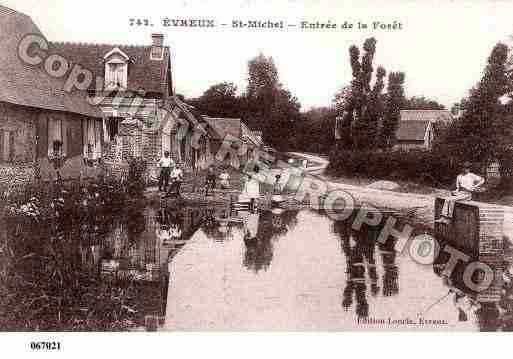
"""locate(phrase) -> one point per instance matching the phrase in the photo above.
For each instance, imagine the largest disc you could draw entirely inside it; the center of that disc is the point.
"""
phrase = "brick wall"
(131, 134)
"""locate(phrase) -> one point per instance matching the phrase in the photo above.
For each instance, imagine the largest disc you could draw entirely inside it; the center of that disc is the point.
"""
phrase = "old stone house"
(417, 129)
(44, 130)
(134, 88)
(242, 138)
(414, 135)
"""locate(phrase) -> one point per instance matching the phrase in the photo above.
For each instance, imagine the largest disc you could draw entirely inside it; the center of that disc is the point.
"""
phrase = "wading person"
(467, 183)
(224, 179)
(252, 188)
(165, 164)
(176, 176)
(210, 182)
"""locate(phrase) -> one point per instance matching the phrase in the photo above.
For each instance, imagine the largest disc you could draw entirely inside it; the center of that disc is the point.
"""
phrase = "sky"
(442, 46)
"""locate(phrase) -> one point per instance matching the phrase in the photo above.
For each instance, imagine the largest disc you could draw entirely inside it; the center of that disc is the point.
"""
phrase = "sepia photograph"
(250, 166)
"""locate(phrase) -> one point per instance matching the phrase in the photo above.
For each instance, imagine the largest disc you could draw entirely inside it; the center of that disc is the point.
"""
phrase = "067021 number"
(45, 345)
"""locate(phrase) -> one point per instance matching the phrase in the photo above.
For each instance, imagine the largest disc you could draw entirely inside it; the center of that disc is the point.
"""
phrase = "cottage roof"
(412, 130)
(28, 85)
(432, 115)
(143, 71)
(225, 126)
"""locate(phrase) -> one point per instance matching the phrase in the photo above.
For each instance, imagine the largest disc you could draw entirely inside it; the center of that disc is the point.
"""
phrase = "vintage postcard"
(171, 166)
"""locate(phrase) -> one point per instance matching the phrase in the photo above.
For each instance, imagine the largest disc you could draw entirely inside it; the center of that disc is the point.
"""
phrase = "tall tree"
(219, 100)
(344, 117)
(422, 103)
(269, 107)
(368, 129)
(479, 135)
(358, 119)
(394, 101)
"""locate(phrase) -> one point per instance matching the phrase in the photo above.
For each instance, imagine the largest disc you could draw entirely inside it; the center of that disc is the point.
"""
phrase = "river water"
(208, 269)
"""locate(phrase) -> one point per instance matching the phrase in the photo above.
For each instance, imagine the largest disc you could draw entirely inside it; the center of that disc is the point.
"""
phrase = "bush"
(136, 181)
(429, 168)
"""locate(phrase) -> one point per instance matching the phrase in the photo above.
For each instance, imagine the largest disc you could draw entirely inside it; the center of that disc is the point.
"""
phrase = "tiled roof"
(28, 85)
(225, 126)
(432, 115)
(253, 137)
(143, 72)
(412, 130)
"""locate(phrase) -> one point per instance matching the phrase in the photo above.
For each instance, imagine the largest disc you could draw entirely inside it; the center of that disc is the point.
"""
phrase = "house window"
(157, 53)
(56, 141)
(113, 127)
(115, 74)
(7, 151)
(92, 132)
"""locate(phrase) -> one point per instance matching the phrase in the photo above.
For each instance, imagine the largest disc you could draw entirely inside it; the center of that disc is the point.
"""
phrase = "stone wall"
(14, 177)
(131, 134)
(21, 122)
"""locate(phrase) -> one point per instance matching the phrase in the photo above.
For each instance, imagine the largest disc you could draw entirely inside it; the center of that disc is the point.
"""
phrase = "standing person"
(176, 180)
(224, 179)
(210, 182)
(165, 164)
(466, 184)
(252, 187)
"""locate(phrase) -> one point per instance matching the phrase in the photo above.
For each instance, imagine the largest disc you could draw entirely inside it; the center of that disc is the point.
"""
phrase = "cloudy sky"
(442, 47)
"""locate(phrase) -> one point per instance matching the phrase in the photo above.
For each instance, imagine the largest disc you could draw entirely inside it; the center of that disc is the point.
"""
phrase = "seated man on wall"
(467, 183)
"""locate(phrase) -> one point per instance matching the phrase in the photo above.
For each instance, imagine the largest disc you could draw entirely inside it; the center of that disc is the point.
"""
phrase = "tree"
(374, 111)
(421, 103)
(267, 105)
(344, 117)
(313, 131)
(359, 117)
(481, 134)
(394, 101)
(219, 100)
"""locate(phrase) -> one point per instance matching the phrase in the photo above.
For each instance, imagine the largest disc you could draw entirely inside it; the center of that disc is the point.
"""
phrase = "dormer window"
(116, 69)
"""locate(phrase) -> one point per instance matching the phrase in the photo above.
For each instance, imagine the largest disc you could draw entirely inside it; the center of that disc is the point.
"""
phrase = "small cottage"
(134, 89)
(45, 132)
(418, 128)
(414, 135)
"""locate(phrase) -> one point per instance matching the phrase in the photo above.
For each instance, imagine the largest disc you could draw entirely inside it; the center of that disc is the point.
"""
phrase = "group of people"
(170, 172)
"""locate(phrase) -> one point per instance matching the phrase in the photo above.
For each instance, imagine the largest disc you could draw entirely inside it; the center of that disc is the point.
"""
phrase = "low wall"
(480, 231)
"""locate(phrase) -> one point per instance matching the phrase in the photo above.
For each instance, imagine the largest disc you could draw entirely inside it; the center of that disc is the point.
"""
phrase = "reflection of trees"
(135, 225)
(359, 250)
(271, 226)
(391, 271)
(221, 229)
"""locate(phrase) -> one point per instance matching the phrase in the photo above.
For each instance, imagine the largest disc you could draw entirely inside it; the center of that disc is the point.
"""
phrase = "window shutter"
(2, 146)
(12, 152)
(64, 137)
(69, 142)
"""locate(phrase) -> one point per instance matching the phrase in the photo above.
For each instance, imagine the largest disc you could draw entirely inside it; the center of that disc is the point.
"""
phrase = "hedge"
(424, 167)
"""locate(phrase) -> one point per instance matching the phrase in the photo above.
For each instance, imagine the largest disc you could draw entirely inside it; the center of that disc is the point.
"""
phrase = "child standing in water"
(252, 188)
(224, 179)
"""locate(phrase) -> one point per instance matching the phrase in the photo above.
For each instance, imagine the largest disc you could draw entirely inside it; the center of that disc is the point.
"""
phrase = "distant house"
(433, 116)
(418, 128)
(142, 115)
(414, 135)
(236, 130)
(40, 123)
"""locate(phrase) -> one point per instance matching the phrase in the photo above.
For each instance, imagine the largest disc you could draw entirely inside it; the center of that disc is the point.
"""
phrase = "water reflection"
(260, 230)
(259, 270)
(359, 249)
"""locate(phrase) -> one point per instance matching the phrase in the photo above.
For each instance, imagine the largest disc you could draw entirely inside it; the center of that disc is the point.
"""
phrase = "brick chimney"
(157, 46)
